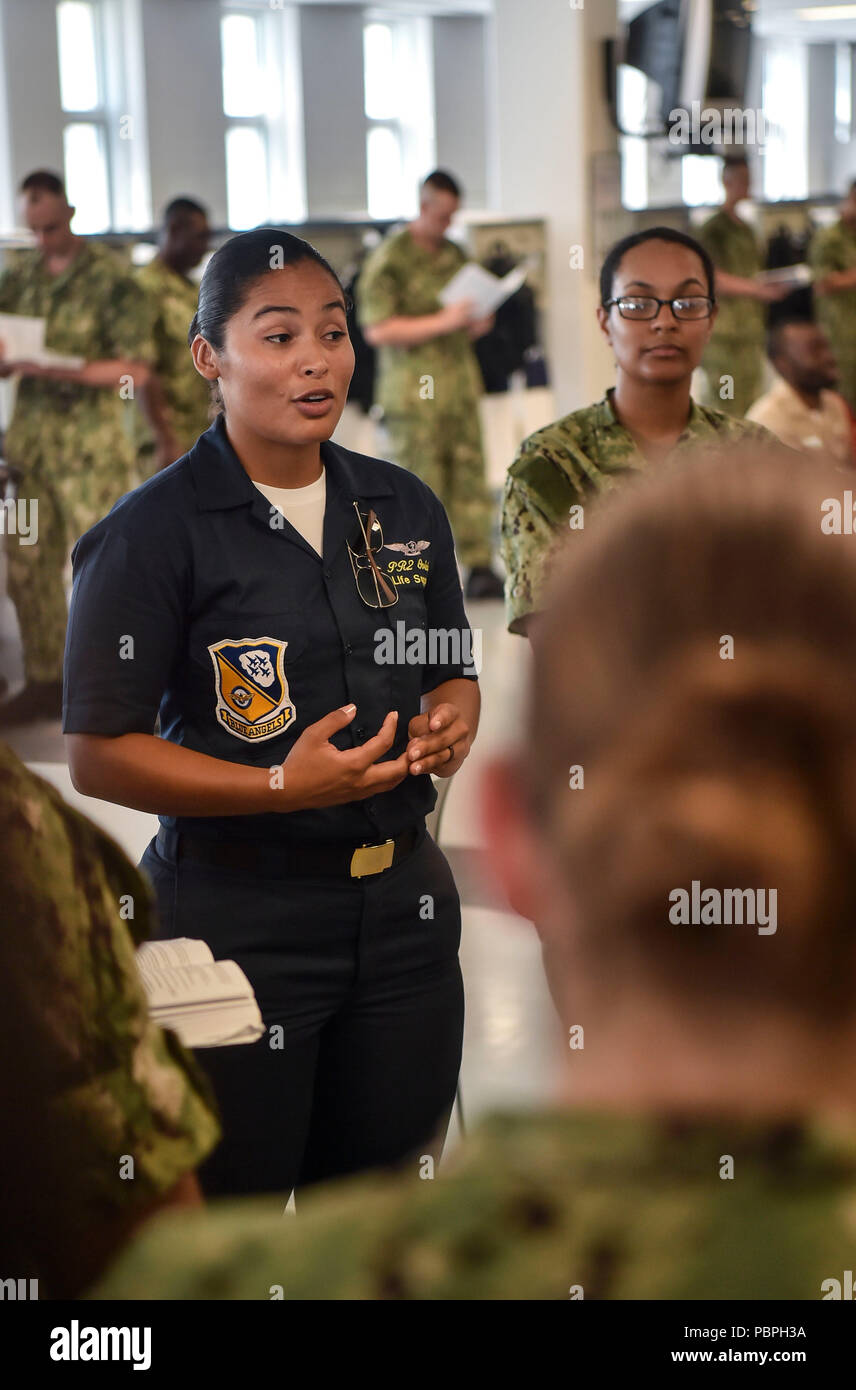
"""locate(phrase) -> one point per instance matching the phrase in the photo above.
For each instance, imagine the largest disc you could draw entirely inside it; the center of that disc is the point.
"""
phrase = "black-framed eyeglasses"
(647, 306)
(373, 586)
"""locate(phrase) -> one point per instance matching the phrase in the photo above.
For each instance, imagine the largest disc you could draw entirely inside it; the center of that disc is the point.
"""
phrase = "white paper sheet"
(486, 291)
(23, 337)
(23, 340)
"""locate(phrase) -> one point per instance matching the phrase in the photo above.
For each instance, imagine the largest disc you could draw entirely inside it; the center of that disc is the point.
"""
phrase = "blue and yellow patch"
(252, 692)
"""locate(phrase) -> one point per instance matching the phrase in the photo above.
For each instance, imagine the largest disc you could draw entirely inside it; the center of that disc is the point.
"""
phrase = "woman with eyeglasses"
(273, 597)
(657, 309)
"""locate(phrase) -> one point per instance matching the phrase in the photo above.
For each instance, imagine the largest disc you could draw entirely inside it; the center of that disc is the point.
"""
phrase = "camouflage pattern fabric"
(430, 392)
(121, 1086)
(447, 455)
(834, 248)
(72, 443)
(736, 347)
(565, 465)
(535, 1206)
(173, 300)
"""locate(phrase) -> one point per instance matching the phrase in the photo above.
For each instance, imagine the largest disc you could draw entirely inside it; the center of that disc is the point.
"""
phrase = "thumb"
(331, 723)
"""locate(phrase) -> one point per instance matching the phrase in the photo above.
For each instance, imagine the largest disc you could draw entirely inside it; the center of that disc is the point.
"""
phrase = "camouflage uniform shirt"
(545, 1206)
(834, 248)
(402, 277)
(173, 300)
(122, 1088)
(95, 310)
(564, 465)
(736, 347)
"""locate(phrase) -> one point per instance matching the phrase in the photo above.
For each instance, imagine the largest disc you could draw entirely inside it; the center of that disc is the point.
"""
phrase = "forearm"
(152, 403)
(837, 280)
(152, 774)
(735, 286)
(405, 332)
(463, 694)
(106, 372)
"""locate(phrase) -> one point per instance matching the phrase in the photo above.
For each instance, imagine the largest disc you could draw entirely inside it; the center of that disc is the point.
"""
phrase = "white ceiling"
(782, 19)
(433, 7)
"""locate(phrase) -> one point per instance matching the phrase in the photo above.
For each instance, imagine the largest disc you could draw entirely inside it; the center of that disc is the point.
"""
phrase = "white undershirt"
(303, 507)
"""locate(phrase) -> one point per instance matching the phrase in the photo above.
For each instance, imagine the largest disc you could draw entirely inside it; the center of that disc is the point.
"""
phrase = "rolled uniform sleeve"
(125, 630)
(129, 328)
(526, 542)
(10, 289)
(379, 290)
(710, 236)
(824, 255)
(122, 1089)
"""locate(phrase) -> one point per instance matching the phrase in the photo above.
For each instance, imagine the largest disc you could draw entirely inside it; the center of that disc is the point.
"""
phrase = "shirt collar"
(221, 482)
(696, 423)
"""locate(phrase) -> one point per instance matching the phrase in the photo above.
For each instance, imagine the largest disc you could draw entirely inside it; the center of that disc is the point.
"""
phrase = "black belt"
(290, 859)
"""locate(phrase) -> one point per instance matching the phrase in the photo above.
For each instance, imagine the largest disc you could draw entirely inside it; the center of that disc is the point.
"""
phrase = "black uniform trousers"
(360, 990)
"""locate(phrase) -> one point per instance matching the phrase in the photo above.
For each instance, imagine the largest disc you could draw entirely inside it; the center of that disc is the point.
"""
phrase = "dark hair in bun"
(234, 268)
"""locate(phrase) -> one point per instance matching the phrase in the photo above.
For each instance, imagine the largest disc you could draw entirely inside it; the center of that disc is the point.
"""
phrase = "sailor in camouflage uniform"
(68, 436)
(569, 462)
(124, 1098)
(564, 465)
(734, 361)
(429, 383)
(184, 240)
(545, 1205)
(703, 1143)
(832, 256)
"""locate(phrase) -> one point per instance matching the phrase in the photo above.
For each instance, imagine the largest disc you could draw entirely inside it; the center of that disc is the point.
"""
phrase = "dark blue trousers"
(362, 977)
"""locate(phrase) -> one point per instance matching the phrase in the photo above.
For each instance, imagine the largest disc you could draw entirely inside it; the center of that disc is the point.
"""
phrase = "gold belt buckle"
(372, 859)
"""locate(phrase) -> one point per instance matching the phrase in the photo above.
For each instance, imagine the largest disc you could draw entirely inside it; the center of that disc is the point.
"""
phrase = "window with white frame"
(86, 145)
(262, 102)
(784, 102)
(634, 109)
(843, 93)
(399, 108)
(244, 104)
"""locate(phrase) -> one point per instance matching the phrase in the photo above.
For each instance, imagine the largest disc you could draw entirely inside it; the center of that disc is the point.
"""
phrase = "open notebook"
(207, 1002)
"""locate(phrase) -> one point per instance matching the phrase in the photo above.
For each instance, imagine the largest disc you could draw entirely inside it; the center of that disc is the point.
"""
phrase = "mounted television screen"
(730, 50)
(695, 50)
(655, 45)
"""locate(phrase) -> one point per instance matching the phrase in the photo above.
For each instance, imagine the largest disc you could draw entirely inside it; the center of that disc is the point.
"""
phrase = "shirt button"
(327, 574)
(348, 649)
(360, 731)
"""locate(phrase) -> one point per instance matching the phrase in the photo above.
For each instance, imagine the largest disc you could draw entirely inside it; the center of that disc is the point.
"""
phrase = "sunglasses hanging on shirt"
(373, 586)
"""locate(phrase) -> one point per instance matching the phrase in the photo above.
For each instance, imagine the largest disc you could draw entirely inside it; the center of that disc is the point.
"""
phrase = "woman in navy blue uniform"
(292, 612)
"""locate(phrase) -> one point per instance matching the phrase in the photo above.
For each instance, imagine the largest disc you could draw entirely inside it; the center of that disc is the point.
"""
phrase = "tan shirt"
(824, 432)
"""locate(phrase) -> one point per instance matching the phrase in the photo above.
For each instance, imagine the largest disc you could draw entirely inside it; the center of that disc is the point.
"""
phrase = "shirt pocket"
(284, 627)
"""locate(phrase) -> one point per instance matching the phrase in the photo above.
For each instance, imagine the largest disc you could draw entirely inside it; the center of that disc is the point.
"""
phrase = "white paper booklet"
(207, 1003)
(486, 291)
(800, 274)
(23, 339)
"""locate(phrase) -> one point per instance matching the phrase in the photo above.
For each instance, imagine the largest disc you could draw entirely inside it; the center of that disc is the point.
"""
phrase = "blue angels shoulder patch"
(252, 692)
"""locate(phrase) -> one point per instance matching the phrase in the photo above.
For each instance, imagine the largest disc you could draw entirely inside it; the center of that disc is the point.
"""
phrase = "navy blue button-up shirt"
(195, 598)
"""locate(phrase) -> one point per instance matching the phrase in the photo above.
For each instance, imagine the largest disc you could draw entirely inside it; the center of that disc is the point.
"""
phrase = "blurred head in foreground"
(691, 736)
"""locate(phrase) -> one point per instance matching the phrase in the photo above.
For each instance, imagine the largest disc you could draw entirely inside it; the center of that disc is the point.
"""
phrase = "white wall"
(459, 102)
(186, 125)
(547, 118)
(333, 109)
(33, 117)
